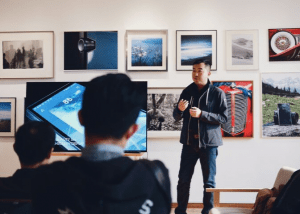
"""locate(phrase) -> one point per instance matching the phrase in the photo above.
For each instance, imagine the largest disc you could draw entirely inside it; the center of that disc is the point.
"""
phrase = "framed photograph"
(284, 44)
(280, 104)
(7, 116)
(160, 105)
(239, 96)
(146, 50)
(193, 45)
(27, 54)
(242, 50)
(88, 50)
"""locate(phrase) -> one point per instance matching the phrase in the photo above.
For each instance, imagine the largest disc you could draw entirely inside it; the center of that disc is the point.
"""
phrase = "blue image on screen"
(138, 142)
(61, 110)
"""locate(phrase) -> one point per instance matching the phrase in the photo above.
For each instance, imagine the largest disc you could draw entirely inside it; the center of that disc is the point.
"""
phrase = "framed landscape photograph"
(193, 45)
(146, 50)
(7, 116)
(239, 97)
(280, 104)
(242, 50)
(27, 54)
(91, 50)
(160, 105)
(284, 44)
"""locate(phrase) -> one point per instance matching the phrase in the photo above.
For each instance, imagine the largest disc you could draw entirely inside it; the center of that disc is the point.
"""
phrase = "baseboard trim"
(200, 205)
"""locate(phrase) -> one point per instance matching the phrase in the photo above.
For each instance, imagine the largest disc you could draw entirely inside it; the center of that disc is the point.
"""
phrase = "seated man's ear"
(80, 117)
(132, 129)
(49, 154)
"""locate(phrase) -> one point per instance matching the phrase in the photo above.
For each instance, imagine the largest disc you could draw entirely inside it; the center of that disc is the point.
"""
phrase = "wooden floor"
(190, 211)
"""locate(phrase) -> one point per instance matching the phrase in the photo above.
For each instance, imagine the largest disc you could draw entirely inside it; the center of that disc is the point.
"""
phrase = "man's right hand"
(183, 104)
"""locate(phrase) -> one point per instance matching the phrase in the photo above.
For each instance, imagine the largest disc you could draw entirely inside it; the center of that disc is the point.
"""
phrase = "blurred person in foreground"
(34, 143)
(102, 180)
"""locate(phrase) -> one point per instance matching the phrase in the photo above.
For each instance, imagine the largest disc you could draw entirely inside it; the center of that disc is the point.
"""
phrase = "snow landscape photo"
(242, 49)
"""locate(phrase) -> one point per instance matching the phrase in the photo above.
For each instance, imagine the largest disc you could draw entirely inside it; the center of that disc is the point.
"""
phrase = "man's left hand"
(195, 112)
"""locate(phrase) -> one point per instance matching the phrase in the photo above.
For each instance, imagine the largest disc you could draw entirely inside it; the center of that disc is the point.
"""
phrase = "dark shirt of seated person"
(288, 200)
(34, 142)
(102, 180)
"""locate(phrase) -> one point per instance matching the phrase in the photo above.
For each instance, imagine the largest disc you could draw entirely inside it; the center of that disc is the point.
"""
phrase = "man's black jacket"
(17, 186)
(214, 113)
(116, 186)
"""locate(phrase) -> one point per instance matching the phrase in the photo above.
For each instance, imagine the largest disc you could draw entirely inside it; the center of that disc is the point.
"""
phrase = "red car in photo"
(284, 44)
(239, 103)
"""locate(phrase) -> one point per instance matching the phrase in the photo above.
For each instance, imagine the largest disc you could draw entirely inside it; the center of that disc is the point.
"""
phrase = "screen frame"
(56, 88)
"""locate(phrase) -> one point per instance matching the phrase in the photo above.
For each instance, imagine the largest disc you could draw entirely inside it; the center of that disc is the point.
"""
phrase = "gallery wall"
(242, 163)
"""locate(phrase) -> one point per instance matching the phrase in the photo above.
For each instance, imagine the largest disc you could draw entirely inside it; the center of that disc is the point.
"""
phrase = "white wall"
(241, 162)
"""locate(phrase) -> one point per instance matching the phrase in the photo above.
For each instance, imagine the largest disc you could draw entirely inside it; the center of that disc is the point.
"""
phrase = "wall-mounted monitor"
(58, 103)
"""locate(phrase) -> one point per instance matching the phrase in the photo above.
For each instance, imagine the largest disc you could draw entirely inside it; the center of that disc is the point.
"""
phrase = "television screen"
(58, 103)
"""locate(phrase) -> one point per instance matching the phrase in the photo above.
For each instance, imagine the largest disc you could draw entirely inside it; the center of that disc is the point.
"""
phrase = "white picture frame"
(242, 50)
(146, 50)
(27, 54)
(198, 43)
(169, 128)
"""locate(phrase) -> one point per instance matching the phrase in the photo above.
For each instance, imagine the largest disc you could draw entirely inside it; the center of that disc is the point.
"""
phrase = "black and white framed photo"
(7, 116)
(242, 50)
(146, 50)
(194, 45)
(27, 54)
(160, 105)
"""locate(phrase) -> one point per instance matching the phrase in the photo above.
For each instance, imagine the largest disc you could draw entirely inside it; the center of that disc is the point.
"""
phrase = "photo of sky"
(194, 47)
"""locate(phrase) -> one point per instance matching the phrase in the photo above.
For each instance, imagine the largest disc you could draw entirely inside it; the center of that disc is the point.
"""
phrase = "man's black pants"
(189, 157)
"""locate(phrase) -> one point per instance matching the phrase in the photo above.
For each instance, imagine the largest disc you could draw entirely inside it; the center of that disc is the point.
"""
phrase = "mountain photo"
(242, 49)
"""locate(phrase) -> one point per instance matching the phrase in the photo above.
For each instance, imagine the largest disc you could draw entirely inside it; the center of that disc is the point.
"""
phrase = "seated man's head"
(110, 107)
(34, 143)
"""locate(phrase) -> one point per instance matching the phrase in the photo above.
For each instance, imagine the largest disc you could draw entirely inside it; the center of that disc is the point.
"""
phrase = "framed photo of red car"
(239, 97)
(242, 50)
(27, 54)
(194, 45)
(160, 105)
(7, 116)
(284, 44)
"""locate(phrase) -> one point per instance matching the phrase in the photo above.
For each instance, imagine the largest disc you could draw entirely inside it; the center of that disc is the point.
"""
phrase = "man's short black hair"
(207, 63)
(111, 104)
(34, 140)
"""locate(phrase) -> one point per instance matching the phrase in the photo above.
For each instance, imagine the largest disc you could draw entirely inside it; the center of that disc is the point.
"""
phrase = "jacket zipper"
(199, 120)
(188, 134)
(191, 101)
